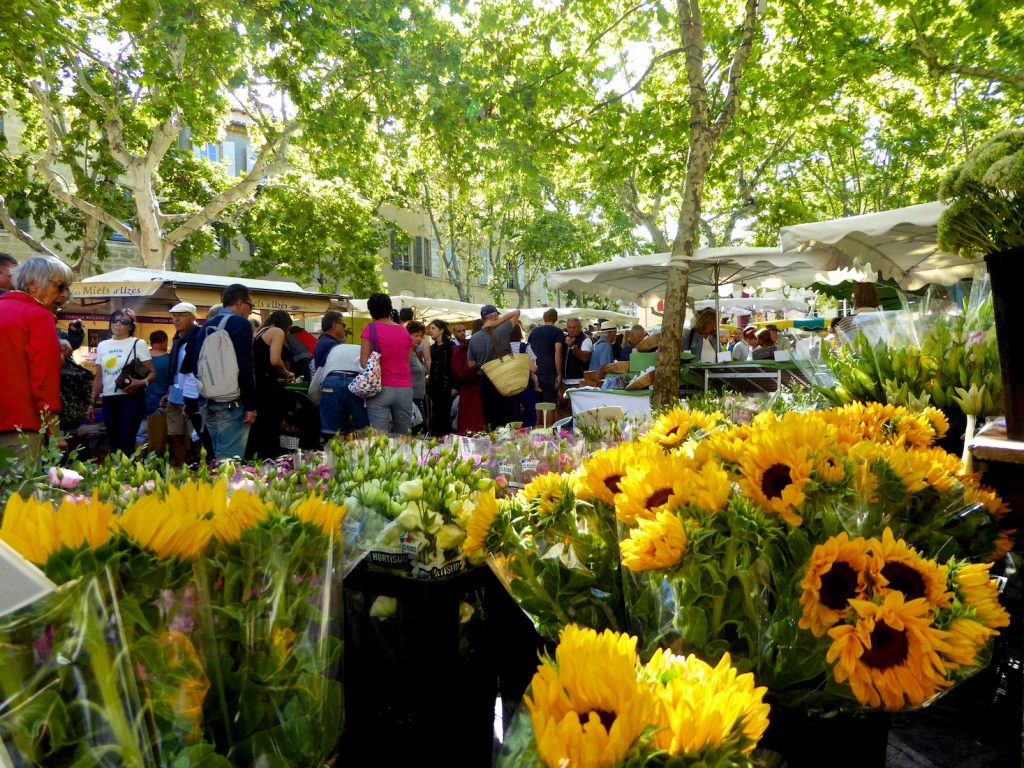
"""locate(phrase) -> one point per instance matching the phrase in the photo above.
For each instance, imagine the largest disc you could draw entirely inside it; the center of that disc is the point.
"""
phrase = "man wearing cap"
(182, 400)
(781, 343)
(742, 348)
(603, 353)
(495, 336)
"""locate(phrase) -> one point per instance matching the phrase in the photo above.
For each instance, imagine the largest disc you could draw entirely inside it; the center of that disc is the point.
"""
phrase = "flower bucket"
(1006, 270)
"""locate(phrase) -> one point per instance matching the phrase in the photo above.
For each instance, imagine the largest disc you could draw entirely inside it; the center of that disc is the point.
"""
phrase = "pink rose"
(501, 481)
(64, 478)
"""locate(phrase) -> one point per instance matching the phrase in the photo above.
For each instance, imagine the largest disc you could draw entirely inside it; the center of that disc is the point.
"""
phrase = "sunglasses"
(247, 303)
(62, 287)
(121, 321)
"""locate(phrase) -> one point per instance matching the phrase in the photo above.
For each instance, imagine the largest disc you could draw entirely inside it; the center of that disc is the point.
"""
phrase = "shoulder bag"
(367, 382)
(132, 369)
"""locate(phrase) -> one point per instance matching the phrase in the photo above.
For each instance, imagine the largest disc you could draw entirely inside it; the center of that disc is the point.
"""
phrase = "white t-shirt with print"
(110, 357)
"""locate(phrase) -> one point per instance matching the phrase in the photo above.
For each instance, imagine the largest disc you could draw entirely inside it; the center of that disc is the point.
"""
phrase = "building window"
(417, 255)
(209, 151)
(228, 155)
(399, 253)
(427, 264)
(435, 259)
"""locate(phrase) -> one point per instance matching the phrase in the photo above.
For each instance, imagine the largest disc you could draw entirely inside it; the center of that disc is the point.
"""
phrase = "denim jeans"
(224, 423)
(340, 410)
(391, 410)
(122, 416)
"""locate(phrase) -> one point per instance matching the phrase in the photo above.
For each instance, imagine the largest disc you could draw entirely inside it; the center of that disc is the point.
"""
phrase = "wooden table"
(992, 444)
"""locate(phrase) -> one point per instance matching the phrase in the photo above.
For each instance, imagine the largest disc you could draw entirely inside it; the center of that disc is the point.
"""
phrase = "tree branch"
(9, 224)
(936, 67)
(271, 160)
(739, 63)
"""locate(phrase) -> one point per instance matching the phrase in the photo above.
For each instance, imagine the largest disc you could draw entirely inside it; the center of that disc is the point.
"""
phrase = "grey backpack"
(217, 367)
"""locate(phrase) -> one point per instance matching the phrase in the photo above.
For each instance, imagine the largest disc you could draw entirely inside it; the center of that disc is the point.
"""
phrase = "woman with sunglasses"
(123, 408)
(29, 354)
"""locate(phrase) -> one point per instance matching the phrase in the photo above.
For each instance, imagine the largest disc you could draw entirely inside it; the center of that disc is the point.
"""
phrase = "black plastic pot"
(1006, 270)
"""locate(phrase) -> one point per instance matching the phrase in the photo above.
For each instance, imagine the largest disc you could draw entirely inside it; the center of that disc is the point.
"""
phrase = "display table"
(634, 403)
(992, 444)
(748, 376)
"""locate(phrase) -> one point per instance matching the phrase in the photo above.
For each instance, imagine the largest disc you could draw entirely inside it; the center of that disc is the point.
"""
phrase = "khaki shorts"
(177, 422)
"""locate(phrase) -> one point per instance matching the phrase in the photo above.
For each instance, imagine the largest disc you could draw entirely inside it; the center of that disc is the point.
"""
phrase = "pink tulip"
(64, 478)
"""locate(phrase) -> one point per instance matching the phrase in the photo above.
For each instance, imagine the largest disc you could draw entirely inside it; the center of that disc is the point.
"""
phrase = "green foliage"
(315, 231)
(986, 195)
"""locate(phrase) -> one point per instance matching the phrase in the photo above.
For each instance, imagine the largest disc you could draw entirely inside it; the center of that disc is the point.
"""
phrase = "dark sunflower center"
(775, 480)
(889, 647)
(607, 718)
(658, 498)
(838, 585)
(672, 432)
(904, 579)
(612, 483)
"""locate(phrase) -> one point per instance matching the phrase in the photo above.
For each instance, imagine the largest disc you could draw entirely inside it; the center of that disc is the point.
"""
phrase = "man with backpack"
(224, 373)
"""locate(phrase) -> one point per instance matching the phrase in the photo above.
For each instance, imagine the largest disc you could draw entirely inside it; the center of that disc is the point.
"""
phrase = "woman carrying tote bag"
(391, 409)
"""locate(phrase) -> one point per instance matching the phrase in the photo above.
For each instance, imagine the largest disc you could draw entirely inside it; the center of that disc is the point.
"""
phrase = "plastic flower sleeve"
(559, 560)
(67, 687)
(269, 618)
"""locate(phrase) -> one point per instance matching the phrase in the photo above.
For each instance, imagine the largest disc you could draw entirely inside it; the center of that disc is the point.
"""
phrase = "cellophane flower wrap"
(556, 554)
(595, 703)
(68, 693)
(427, 492)
(729, 572)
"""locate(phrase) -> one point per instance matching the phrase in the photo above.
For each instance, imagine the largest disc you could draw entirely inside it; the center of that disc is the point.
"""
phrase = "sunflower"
(918, 469)
(35, 530)
(830, 469)
(654, 544)
(977, 591)
(938, 421)
(661, 482)
(966, 638)
(914, 431)
(674, 427)
(191, 684)
(588, 708)
(318, 511)
(244, 511)
(863, 457)
(836, 574)
(179, 525)
(545, 493)
(905, 571)
(726, 445)
(890, 655)
(775, 472)
(479, 525)
(601, 474)
(704, 706)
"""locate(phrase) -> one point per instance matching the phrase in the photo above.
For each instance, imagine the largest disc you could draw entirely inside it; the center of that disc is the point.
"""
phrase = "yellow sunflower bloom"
(191, 688)
(917, 469)
(836, 575)
(35, 530)
(830, 469)
(244, 511)
(654, 544)
(601, 474)
(891, 655)
(703, 707)
(674, 427)
(905, 571)
(588, 708)
(775, 475)
(479, 525)
(966, 638)
(977, 591)
(938, 420)
(324, 514)
(545, 492)
(663, 482)
(179, 525)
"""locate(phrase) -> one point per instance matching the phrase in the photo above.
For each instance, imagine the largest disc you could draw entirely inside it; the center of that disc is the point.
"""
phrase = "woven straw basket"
(509, 373)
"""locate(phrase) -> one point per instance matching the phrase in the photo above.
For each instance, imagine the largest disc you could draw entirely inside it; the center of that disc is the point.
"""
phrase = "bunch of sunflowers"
(595, 703)
(224, 604)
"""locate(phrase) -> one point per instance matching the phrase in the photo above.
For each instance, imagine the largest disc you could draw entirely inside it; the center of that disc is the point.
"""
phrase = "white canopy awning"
(901, 244)
(753, 304)
(535, 315)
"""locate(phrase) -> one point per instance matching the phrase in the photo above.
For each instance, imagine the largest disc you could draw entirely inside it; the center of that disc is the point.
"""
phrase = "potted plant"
(986, 218)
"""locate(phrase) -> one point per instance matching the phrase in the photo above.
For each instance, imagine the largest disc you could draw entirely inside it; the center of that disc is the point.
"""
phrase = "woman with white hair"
(29, 354)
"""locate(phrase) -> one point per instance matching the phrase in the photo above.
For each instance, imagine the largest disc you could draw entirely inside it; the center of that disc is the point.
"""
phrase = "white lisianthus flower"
(450, 536)
(383, 607)
(410, 517)
(411, 489)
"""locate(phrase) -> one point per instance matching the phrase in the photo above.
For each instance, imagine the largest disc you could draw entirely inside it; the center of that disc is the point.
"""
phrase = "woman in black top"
(270, 356)
(440, 382)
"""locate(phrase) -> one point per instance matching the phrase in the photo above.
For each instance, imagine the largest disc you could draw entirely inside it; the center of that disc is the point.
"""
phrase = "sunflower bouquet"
(556, 554)
(595, 703)
(880, 623)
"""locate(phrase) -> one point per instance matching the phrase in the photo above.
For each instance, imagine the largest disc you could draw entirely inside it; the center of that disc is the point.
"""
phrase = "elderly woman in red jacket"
(30, 357)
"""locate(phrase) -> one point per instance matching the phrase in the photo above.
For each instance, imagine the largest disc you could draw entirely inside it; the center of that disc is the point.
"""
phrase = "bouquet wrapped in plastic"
(556, 555)
(595, 703)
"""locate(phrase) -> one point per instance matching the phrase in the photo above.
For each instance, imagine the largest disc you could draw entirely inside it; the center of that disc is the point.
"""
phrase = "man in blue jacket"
(229, 422)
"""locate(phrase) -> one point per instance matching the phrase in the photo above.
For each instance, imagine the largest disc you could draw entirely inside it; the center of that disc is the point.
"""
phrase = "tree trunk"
(91, 241)
(155, 252)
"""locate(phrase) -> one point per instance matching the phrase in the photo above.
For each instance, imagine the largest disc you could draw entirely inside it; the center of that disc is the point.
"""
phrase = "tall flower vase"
(1006, 270)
